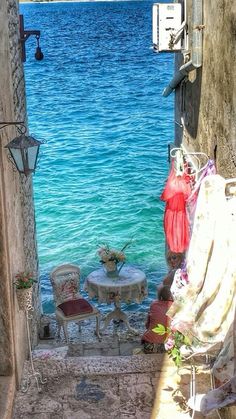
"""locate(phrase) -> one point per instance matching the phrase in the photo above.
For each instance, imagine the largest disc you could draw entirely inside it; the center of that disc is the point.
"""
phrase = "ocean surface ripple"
(96, 100)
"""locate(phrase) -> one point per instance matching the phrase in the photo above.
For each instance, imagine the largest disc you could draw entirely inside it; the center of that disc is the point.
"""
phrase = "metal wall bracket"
(24, 35)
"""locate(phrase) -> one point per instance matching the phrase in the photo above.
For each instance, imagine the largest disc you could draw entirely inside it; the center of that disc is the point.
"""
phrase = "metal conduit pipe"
(196, 52)
(178, 77)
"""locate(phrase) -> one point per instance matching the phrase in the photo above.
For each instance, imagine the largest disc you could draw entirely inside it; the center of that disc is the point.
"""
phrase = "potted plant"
(24, 286)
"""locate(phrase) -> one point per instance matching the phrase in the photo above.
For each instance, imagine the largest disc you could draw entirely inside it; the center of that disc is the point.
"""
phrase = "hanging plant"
(24, 287)
(24, 280)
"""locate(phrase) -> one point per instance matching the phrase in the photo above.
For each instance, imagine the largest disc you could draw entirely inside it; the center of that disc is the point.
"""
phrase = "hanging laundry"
(207, 305)
(176, 224)
(224, 367)
(180, 281)
(208, 169)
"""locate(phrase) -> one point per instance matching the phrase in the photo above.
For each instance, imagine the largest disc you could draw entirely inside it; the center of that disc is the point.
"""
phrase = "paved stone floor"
(116, 340)
(107, 379)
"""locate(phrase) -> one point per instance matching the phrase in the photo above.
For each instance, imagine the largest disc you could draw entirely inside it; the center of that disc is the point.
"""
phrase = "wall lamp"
(23, 149)
(24, 35)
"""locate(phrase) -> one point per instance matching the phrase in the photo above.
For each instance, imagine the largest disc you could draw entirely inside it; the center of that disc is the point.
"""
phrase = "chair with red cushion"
(70, 305)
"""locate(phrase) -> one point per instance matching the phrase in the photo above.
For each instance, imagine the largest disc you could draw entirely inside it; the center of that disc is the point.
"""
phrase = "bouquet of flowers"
(24, 280)
(110, 255)
(107, 254)
(173, 343)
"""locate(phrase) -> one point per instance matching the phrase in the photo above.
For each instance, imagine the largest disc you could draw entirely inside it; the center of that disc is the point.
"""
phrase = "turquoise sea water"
(96, 101)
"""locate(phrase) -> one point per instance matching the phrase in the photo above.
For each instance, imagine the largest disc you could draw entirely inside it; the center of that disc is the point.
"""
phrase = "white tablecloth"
(131, 286)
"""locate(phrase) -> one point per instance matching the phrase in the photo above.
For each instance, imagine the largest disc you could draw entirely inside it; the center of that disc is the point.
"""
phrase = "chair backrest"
(65, 280)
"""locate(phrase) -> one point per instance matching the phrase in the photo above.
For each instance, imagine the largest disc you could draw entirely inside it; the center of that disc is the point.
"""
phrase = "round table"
(130, 286)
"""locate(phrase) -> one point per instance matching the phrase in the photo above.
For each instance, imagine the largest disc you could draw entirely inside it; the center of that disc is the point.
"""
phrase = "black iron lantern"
(24, 151)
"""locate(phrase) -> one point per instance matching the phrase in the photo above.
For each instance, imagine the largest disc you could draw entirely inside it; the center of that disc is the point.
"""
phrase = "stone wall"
(207, 100)
(205, 111)
(17, 225)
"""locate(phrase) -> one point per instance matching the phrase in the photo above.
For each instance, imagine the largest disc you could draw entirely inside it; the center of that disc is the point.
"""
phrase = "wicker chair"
(70, 305)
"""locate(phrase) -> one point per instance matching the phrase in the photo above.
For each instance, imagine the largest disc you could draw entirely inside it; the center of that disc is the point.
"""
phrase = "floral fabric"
(224, 367)
(130, 286)
(65, 287)
(179, 282)
(205, 309)
(191, 202)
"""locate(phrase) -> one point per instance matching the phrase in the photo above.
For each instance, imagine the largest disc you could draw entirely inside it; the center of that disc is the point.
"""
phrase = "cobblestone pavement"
(107, 379)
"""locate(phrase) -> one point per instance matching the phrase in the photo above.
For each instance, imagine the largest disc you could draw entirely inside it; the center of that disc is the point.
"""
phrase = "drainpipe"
(196, 51)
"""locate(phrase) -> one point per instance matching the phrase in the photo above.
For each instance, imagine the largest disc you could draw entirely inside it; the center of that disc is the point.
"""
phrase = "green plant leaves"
(178, 340)
(176, 356)
(187, 341)
(160, 329)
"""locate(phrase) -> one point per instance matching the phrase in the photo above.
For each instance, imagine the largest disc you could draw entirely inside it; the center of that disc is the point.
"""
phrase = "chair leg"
(58, 328)
(64, 325)
(98, 327)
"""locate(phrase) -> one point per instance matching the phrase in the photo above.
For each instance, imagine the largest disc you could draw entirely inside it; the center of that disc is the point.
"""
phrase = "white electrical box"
(166, 22)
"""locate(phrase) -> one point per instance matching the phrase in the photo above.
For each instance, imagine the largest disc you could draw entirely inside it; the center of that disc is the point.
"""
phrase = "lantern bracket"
(24, 35)
(19, 125)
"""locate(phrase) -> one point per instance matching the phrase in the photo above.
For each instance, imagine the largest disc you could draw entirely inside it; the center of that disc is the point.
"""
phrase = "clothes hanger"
(196, 155)
(179, 163)
(175, 149)
(179, 154)
(186, 153)
(195, 166)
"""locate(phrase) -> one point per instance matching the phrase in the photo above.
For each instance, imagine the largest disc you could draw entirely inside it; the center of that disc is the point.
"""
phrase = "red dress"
(176, 225)
(157, 315)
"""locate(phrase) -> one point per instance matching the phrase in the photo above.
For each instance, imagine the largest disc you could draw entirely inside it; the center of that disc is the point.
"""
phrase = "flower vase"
(24, 297)
(111, 269)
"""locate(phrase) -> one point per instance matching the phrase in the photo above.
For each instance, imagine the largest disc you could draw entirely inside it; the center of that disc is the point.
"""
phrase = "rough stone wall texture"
(17, 224)
(207, 101)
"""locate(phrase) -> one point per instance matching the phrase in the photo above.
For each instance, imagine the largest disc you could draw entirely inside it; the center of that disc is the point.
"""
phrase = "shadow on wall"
(190, 100)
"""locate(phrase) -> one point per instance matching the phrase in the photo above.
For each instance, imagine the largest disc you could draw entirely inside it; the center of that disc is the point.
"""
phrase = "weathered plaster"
(207, 102)
(17, 224)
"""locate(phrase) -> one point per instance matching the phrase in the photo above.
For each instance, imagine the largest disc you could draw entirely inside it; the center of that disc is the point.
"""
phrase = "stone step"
(55, 362)
(90, 387)
(143, 386)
